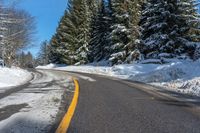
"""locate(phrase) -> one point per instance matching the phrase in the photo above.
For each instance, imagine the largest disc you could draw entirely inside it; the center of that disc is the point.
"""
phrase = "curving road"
(105, 105)
(113, 106)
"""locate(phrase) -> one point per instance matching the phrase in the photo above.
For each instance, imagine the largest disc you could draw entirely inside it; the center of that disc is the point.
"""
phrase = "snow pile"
(186, 78)
(47, 66)
(179, 75)
(13, 76)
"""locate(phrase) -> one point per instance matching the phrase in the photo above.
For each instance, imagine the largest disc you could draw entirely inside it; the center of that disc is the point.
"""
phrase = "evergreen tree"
(73, 34)
(191, 16)
(21, 59)
(43, 56)
(54, 54)
(29, 60)
(125, 30)
(99, 43)
(63, 43)
(81, 15)
(25, 60)
(167, 28)
(67, 39)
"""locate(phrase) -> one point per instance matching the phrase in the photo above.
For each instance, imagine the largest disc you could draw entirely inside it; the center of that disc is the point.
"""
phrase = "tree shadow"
(27, 125)
(7, 111)
(180, 98)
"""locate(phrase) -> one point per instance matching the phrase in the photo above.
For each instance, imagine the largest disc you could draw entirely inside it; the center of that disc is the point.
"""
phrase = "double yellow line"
(64, 125)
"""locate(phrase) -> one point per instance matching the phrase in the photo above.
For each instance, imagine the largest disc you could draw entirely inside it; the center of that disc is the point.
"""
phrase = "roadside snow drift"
(178, 75)
(13, 77)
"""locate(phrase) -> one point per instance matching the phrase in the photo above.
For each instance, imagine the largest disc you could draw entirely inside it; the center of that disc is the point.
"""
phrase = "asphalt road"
(112, 106)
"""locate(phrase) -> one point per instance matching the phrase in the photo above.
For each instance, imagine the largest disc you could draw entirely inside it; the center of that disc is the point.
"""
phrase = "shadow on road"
(182, 99)
(7, 111)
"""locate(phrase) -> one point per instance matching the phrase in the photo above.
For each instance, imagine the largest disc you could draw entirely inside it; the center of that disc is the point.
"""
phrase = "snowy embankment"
(177, 75)
(13, 76)
(34, 109)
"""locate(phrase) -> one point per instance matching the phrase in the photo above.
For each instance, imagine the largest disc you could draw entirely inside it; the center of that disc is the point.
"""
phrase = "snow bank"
(185, 78)
(13, 76)
(49, 66)
(178, 75)
(42, 102)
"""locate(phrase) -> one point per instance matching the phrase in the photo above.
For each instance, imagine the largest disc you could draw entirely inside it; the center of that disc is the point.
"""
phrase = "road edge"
(64, 124)
(151, 89)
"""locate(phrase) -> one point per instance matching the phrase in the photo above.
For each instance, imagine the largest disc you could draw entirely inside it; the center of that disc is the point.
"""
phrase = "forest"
(125, 31)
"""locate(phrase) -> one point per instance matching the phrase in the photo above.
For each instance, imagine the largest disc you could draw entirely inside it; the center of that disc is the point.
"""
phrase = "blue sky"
(47, 14)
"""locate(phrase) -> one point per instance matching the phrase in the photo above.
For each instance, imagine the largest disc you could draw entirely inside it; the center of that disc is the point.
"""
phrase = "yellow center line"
(64, 125)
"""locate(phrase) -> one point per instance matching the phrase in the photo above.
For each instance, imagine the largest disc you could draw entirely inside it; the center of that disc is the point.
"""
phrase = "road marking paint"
(64, 125)
(86, 78)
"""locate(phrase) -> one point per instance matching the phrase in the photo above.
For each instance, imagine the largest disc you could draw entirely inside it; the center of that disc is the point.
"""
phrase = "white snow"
(43, 101)
(178, 74)
(47, 66)
(12, 77)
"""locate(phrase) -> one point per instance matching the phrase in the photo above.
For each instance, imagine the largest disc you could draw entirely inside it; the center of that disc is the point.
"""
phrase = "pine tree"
(63, 44)
(192, 17)
(26, 60)
(81, 20)
(125, 30)
(166, 28)
(21, 59)
(73, 34)
(43, 55)
(99, 43)
(68, 42)
(29, 60)
(54, 55)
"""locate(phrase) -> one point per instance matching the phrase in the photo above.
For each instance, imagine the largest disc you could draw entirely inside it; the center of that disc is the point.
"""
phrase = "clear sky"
(47, 14)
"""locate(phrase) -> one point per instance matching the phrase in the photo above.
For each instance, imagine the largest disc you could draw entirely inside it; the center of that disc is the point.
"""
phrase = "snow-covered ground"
(177, 75)
(40, 104)
(12, 77)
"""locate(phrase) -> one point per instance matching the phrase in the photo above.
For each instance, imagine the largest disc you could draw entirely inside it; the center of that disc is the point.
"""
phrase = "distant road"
(112, 106)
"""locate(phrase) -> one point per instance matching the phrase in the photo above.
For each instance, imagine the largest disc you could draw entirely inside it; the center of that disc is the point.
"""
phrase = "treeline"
(122, 31)
(16, 31)
(26, 60)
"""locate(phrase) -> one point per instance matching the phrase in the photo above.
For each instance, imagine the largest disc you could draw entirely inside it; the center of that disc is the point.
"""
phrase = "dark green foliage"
(43, 55)
(125, 30)
(167, 27)
(71, 41)
(54, 54)
(99, 47)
